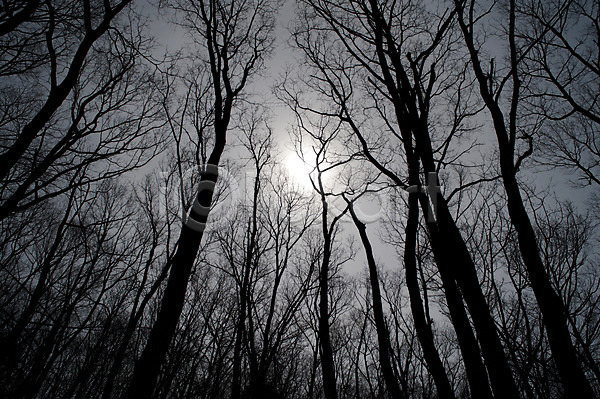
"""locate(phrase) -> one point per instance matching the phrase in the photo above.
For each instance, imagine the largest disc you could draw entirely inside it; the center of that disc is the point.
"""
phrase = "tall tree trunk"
(327, 363)
(383, 338)
(422, 327)
(147, 367)
(553, 309)
(252, 231)
(236, 384)
(470, 349)
(452, 245)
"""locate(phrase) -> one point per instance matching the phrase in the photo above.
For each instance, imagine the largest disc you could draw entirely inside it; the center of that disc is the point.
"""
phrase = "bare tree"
(506, 128)
(52, 45)
(214, 272)
(235, 38)
(371, 35)
(382, 331)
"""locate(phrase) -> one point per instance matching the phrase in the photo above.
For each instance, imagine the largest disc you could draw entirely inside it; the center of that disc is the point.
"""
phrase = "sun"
(299, 172)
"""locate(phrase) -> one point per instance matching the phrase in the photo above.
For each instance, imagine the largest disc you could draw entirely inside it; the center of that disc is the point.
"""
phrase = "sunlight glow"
(299, 172)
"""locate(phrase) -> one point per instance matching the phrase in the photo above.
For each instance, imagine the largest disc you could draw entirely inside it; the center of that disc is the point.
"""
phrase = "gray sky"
(283, 59)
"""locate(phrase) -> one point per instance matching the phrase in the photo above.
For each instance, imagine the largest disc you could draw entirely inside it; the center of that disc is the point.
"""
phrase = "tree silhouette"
(405, 208)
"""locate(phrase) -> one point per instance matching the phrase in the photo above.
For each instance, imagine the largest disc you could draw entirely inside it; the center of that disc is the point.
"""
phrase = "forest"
(278, 199)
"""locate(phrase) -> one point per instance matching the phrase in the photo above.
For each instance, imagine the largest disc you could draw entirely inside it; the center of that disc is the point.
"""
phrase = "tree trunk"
(148, 365)
(553, 309)
(382, 331)
(474, 367)
(327, 363)
(422, 327)
(450, 243)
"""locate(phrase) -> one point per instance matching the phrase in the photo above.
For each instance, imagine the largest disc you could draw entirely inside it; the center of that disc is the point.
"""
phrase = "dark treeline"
(160, 239)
